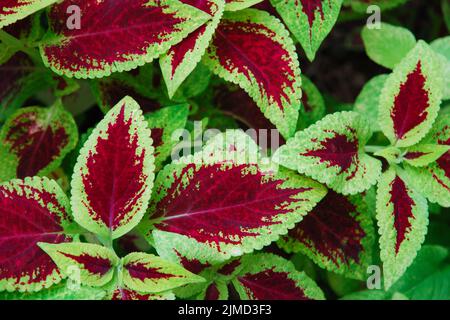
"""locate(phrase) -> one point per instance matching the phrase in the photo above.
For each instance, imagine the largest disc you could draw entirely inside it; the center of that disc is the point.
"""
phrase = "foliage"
(123, 178)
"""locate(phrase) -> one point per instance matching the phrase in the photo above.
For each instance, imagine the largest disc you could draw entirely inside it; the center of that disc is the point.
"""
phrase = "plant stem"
(15, 43)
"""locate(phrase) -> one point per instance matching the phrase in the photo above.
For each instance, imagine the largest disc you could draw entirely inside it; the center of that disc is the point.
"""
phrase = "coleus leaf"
(127, 294)
(136, 32)
(113, 177)
(253, 49)
(337, 235)
(13, 10)
(162, 124)
(236, 5)
(226, 201)
(34, 141)
(387, 45)
(402, 216)
(19, 80)
(411, 96)
(96, 263)
(362, 5)
(151, 274)
(182, 58)
(309, 20)
(312, 102)
(31, 211)
(368, 100)
(433, 181)
(269, 277)
(424, 154)
(331, 151)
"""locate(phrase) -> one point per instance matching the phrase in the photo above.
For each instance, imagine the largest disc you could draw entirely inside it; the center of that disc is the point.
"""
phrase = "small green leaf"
(313, 104)
(96, 263)
(442, 47)
(387, 45)
(236, 5)
(332, 152)
(149, 273)
(391, 154)
(368, 100)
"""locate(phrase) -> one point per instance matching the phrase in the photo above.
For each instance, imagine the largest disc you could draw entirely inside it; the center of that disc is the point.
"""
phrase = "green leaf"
(362, 5)
(182, 58)
(442, 47)
(35, 140)
(387, 45)
(332, 152)
(96, 263)
(411, 96)
(236, 5)
(313, 104)
(149, 273)
(309, 21)
(62, 291)
(163, 124)
(239, 53)
(424, 154)
(368, 100)
(270, 277)
(391, 154)
(113, 177)
(402, 216)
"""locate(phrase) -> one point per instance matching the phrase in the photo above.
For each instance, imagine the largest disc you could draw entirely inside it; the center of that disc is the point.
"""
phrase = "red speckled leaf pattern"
(137, 31)
(31, 210)
(113, 176)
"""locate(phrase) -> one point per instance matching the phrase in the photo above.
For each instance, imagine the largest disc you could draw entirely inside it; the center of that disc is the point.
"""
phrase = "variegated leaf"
(313, 104)
(128, 294)
(309, 20)
(181, 59)
(269, 277)
(95, 263)
(332, 152)
(253, 49)
(136, 31)
(433, 181)
(113, 177)
(148, 273)
(31, 211)
(424, 154)
(34, 141)
(411, 96)
(337, 234)
(236, 5)
(13, 10)
(402, 216)
(225, 201)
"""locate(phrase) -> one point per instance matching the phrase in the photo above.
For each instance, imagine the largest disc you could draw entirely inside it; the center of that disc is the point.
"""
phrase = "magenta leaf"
(113, 177)
(253, 49)
(337, 234)
(226, 205)
(136, 31)
(269, 277)
(31, 211)
(13, 10)
(35, 140)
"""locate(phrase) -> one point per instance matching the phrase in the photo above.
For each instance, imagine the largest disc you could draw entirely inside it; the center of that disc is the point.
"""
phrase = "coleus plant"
(112, 214)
